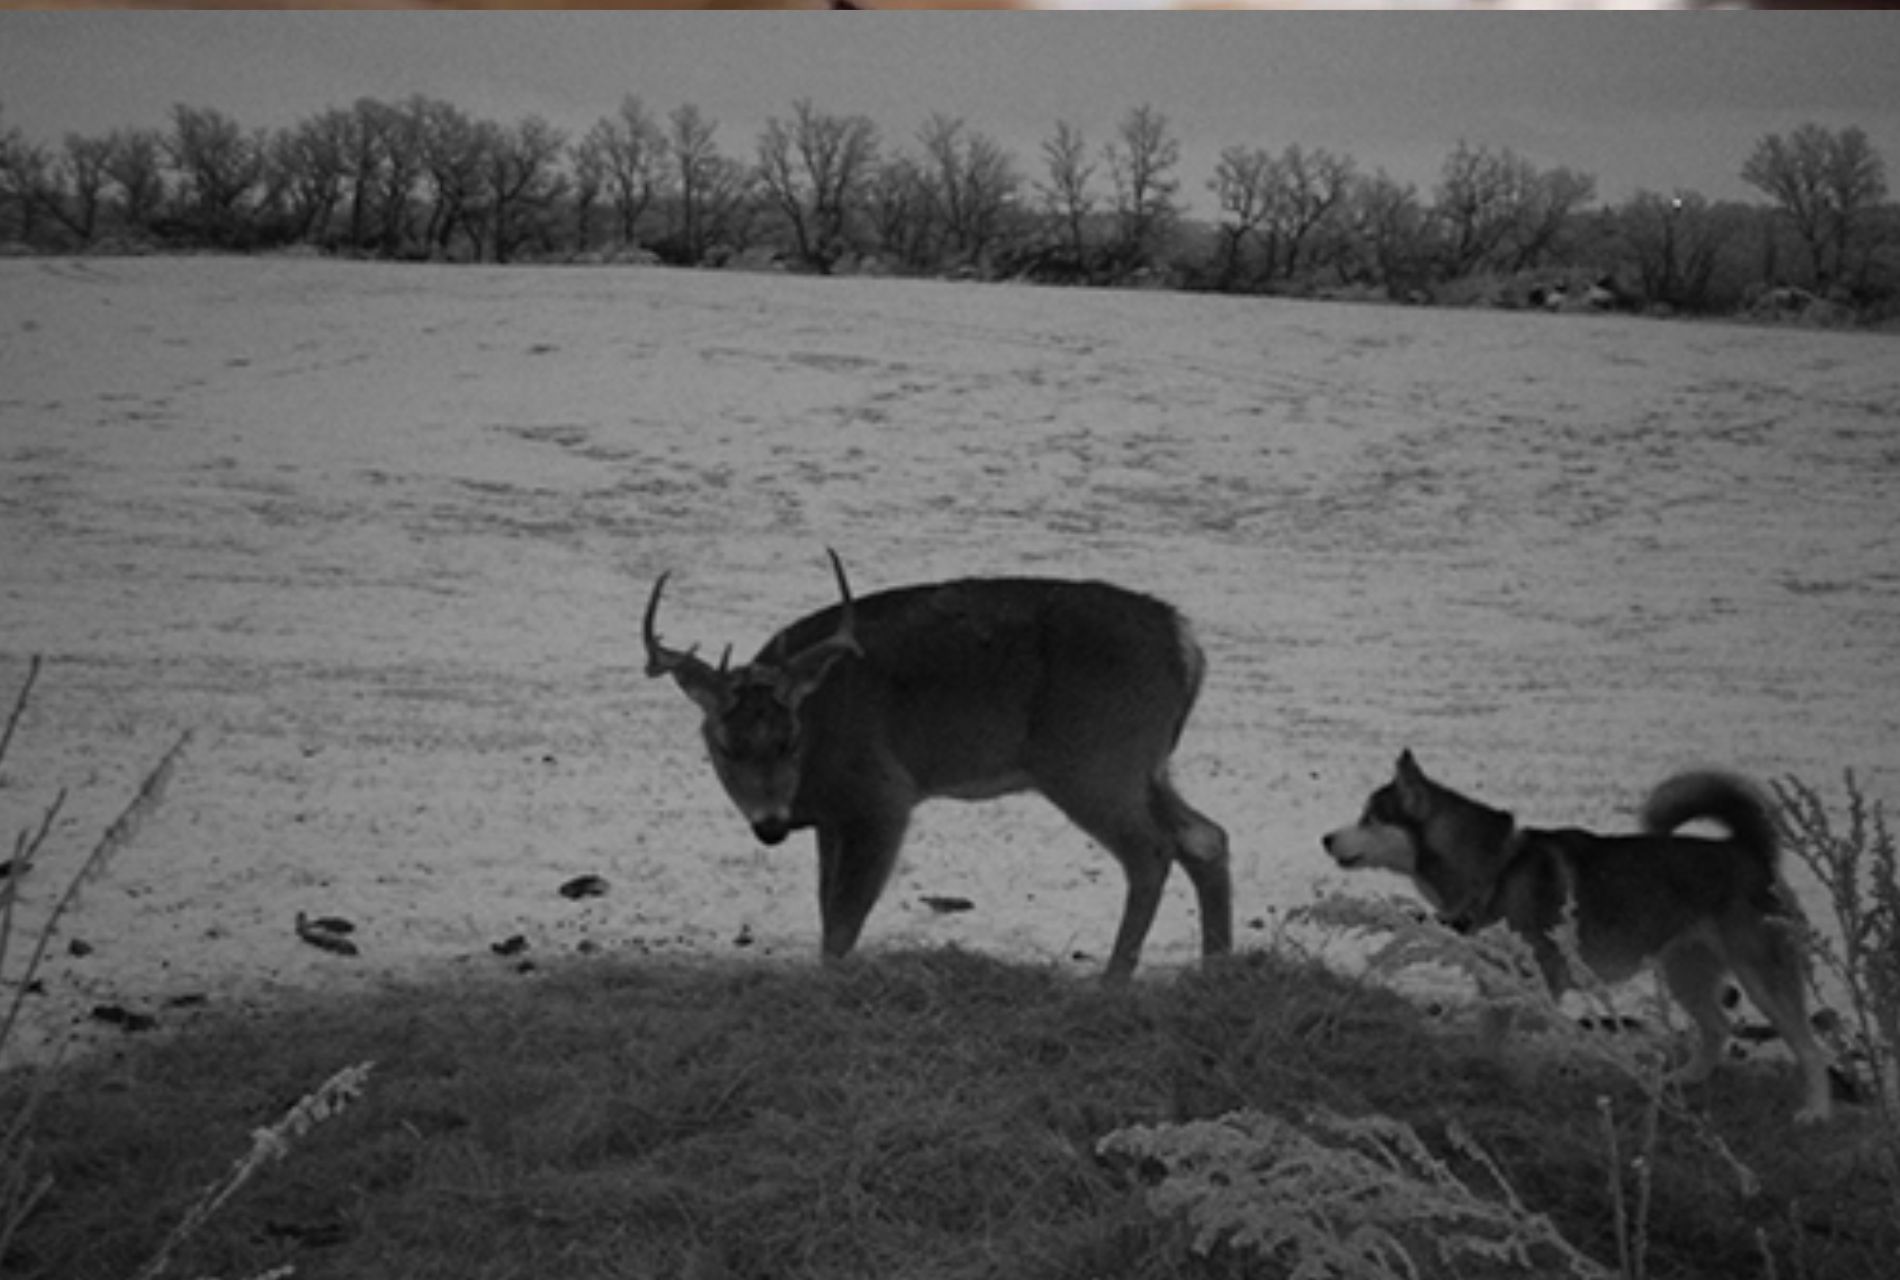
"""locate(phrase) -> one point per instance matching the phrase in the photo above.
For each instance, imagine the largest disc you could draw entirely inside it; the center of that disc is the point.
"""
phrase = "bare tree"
(1677, 242)
(969, 181)
(404, 129)
(1242, 185)
(815, 171)
(942, 172)
(1286, 202)
(590, 180)
(630, 150)
(366, 151)
(135, 164)
(1826, 183)
(696, 167)
(729, 212)
(1308, 190)
(311, 161)
(67, 186)
(1857, 187)
(1478, 201)
(900, 211)
(454, 150)
(522, 180)
(1066, 195)
(1142, 168)
(219, 165)
(11, 142)
(1549, 205)
(990, 183)
(1499, 212)
(270, 219)
(82, 181)
(25, 172)
(1790, 171)
(385, 152)
(1388, 228)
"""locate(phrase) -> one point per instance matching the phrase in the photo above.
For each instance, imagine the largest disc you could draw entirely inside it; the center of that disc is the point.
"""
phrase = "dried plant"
(268, 1146)
(1858, 868)
(1512, 990)
(20, 1188)
(1335, 1196)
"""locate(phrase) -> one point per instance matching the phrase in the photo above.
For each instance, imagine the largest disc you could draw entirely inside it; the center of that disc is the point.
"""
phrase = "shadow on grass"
(906, 1115)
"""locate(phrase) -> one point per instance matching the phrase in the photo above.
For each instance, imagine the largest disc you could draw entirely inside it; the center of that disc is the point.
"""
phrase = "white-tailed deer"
(848, 719)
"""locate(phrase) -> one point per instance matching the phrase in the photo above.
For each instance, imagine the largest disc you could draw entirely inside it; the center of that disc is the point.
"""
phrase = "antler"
(660, 659)
(848, 623)
(801, 673)
(845, 638)
(701, 683)
(806, 669)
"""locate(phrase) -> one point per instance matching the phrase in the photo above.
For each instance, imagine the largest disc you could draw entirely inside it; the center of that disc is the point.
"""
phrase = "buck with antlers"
(848, 719)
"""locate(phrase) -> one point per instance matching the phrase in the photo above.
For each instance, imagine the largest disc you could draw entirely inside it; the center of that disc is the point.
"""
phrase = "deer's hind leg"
(1118, 815)
(1200, 845)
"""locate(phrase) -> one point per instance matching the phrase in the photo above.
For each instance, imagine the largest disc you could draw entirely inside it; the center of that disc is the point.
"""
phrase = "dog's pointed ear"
(1411, 780)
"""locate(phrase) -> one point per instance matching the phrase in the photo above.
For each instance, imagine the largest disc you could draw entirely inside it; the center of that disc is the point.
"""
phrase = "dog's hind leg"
(1694, 974)
(1767, 960)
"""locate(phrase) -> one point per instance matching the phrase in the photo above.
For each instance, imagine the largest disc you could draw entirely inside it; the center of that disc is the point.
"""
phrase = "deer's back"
(957, 676)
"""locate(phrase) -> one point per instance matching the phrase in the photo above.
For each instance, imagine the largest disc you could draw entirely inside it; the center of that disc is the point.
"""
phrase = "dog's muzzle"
(1334, 844)
(771, 831)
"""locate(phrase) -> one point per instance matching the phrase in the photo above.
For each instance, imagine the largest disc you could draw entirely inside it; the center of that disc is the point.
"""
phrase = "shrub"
(1859, 870)
(20, 1188)
(1337, 1196)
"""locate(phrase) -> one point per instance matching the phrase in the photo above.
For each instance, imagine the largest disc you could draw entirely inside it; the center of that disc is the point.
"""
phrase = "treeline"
(422, 180)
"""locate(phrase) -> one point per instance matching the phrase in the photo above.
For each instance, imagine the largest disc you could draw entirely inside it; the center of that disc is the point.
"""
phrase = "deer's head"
(753, 729)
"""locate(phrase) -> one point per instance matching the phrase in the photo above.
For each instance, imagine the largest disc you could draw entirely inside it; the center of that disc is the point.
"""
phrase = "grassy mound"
(905, 1115)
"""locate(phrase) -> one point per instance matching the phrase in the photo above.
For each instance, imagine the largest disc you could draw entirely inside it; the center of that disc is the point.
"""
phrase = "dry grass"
(22, 1186)
(908, 1115)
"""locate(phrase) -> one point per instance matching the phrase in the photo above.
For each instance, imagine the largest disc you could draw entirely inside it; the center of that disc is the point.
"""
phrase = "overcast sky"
(1638, 100)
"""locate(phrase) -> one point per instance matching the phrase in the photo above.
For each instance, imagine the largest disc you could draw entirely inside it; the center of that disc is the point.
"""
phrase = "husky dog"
(1701, 908)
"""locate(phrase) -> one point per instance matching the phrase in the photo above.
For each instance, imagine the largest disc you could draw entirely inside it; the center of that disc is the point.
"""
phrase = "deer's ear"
(706, 687)
(802, 673)
(803, 676)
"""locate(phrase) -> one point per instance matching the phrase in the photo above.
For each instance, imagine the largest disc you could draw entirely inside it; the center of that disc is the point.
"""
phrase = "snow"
(381, 536)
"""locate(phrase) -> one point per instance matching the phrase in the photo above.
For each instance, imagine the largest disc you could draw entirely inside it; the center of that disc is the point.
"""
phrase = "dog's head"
(1450, 846)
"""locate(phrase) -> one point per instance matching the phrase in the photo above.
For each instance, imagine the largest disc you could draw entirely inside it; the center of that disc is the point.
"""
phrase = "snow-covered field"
(381, 536)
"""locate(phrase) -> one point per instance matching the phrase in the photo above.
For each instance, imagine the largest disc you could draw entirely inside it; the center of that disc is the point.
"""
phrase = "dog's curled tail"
(1733, 801)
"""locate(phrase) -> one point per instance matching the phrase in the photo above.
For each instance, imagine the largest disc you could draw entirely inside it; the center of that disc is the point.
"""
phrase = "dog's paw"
(1815, 1113)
